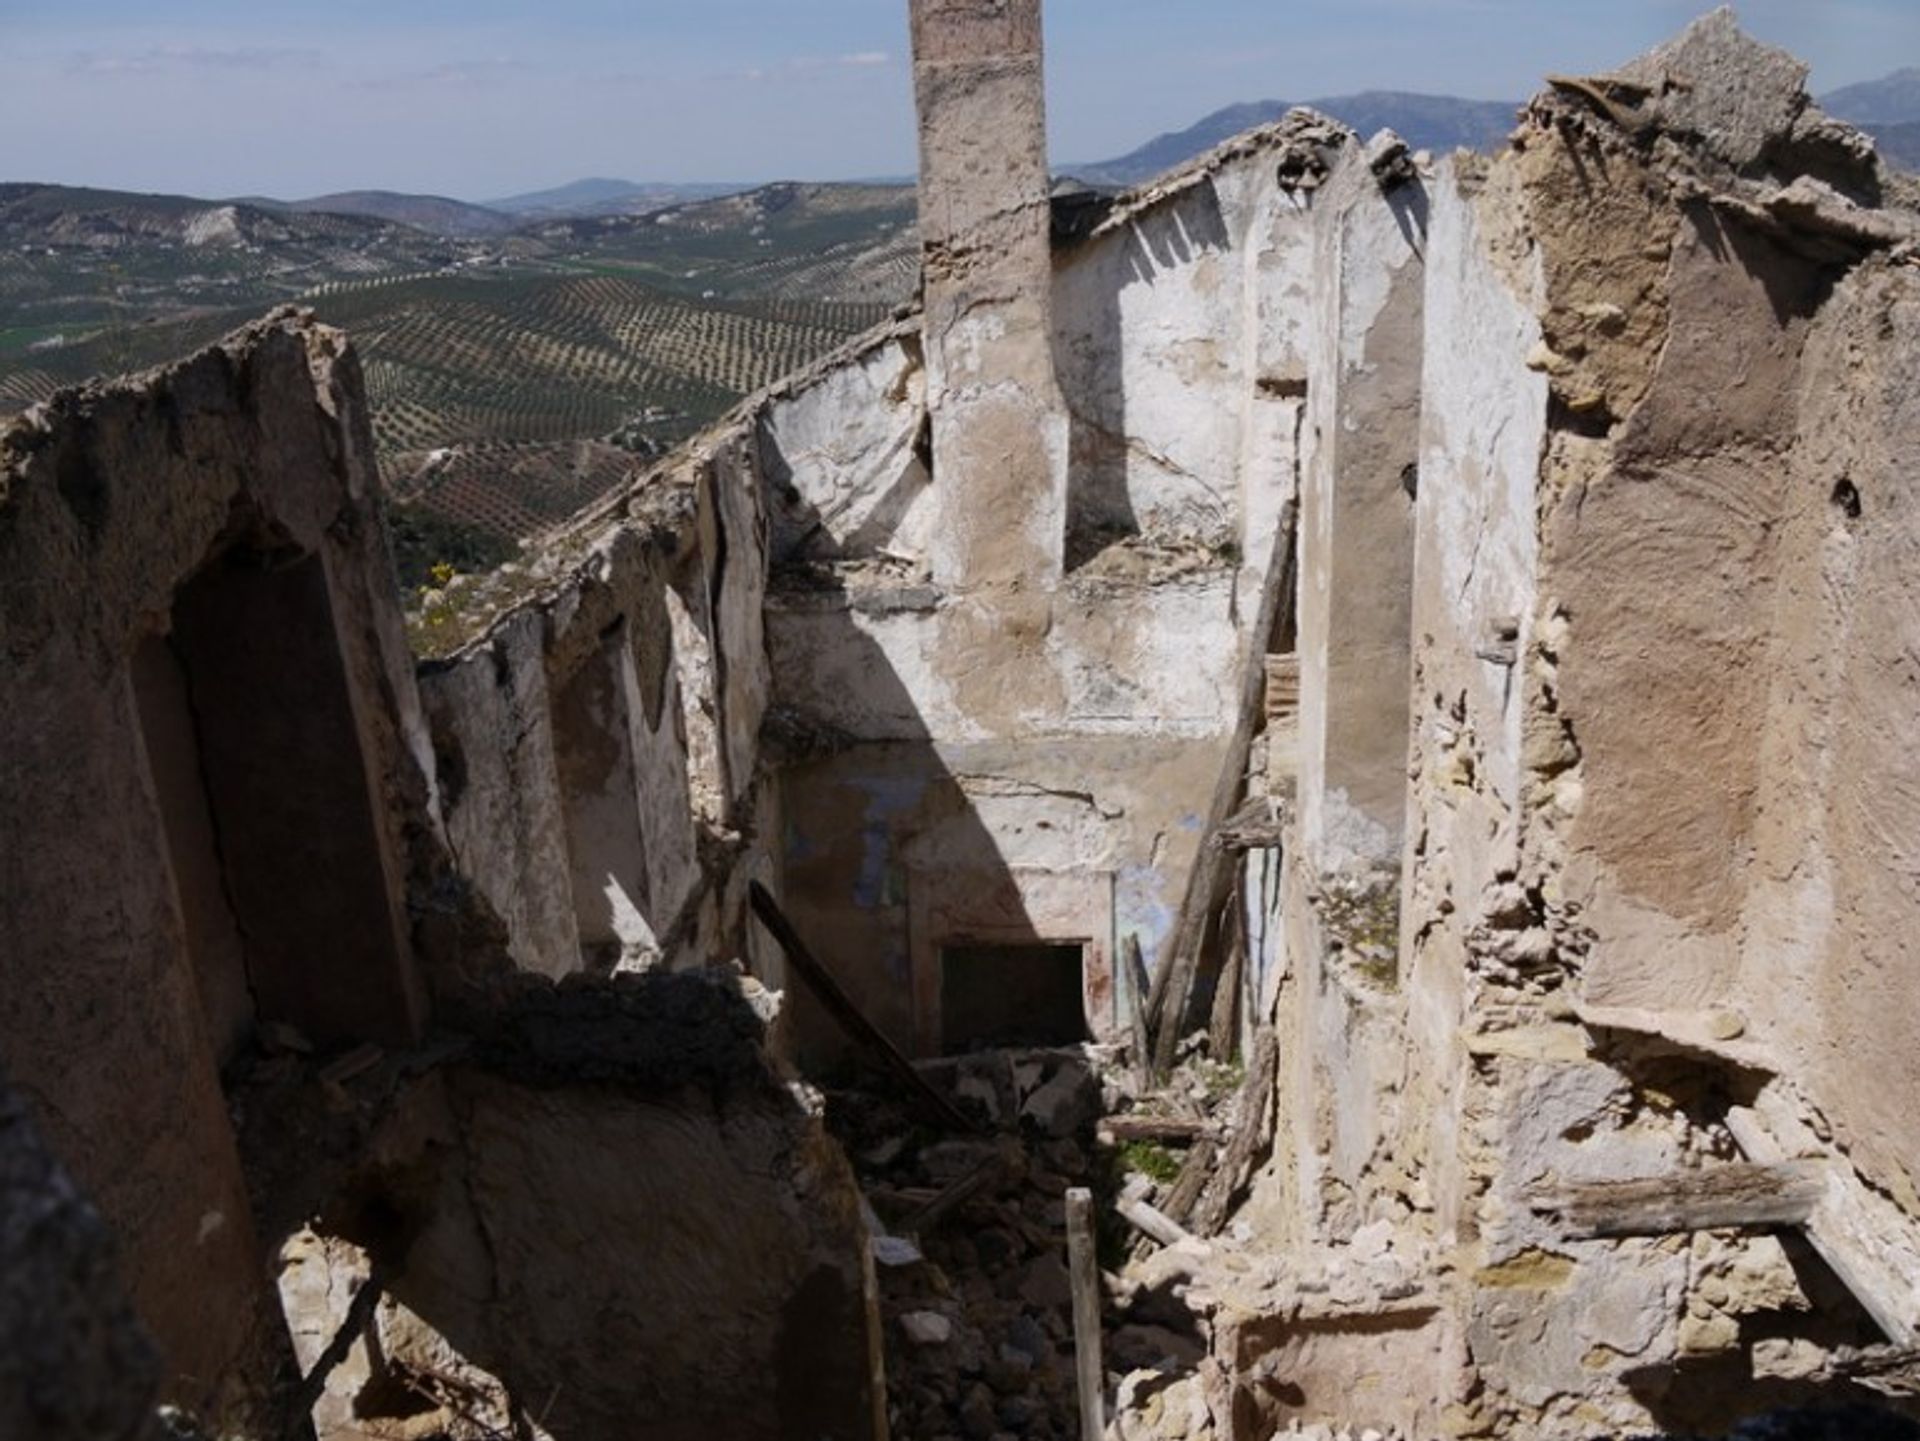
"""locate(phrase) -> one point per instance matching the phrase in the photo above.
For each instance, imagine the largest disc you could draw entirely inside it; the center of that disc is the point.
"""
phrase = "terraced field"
(522, 377)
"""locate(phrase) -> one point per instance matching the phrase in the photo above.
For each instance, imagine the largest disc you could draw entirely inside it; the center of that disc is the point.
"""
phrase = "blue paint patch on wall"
(1141, 908)
(880, 881)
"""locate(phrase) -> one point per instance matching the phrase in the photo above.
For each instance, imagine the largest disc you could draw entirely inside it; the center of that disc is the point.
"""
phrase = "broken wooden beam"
(1251, 1140)
(1207, 882)
(1141, 989)
(1191, 1181)
(1083, 1272)
(1152, 1222)
(1710, 1199)
(923, 1221)
(850, 1017)
(1223, 1030)
(1155, 1128)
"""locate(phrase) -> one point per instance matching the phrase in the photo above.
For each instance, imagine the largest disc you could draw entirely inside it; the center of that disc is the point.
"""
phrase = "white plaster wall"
(504, 820)
(1135, 659)
(840, 453)
(1483, 420)
(660, 766)
(1163, 324)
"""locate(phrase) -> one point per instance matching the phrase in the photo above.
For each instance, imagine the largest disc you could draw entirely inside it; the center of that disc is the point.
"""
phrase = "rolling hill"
(435, 214)
(595, 197)
(1888, 109)
(514, 376)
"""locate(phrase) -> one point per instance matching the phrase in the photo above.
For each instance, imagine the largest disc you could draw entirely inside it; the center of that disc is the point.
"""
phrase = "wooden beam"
(1224, 1030)
(1704, 1200)
(1083, 1271)
(1137, 1127)
(1252, 1136)
(1152, 1222)
(850, 1017)
(1206, 883)
(1192, 1181)
(925, 1220)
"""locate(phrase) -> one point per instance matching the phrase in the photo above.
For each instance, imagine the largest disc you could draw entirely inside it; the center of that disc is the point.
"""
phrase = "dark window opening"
(1010, 996)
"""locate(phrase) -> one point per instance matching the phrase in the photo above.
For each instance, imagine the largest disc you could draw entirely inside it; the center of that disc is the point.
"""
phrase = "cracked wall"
(1640, 549)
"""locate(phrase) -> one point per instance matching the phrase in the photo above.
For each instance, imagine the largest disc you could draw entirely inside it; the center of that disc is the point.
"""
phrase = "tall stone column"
(999, 424)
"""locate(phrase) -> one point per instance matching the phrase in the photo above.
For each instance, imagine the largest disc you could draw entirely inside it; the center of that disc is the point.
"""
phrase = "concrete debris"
(926, 1328)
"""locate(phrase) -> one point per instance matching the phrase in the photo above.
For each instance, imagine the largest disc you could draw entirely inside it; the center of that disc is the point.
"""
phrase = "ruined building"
(1453, 615)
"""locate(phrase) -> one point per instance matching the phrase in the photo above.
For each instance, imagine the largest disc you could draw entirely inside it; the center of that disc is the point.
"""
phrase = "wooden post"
(1085, 1270)
(1223, 1033)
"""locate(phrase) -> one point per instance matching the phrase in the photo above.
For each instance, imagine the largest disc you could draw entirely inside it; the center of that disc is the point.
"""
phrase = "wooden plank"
(1863, 1236)
(1206, 883)
(1084, 1273)
(1224, 1029)
(1137, 1127)
(924, 1221)
(1252, 1137)
(1737, 1195)
(848, 1015)
(1152, 1222)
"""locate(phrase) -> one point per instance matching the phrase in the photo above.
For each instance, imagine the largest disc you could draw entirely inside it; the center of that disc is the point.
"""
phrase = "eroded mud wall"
(117, 963)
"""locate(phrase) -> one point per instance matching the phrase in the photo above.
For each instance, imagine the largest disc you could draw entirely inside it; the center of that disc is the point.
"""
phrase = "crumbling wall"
(921, 813)
(1660, 353)
(249, 464)
(999, 432)
(597, 721)
(1177, 341)
(610, 1216)
(1824, 973)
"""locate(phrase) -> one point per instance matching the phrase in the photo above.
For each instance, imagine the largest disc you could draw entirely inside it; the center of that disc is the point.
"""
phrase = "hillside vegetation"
(514, 376)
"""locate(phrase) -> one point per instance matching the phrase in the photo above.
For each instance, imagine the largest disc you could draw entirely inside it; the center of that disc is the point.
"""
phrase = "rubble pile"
(970, 1241)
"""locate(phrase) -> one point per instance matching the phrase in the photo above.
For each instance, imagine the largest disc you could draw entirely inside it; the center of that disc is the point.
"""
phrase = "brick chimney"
(999, 424)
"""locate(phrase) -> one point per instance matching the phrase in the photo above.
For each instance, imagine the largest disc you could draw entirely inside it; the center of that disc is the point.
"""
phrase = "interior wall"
(193, 847)
(292, 802)
(1356, 519)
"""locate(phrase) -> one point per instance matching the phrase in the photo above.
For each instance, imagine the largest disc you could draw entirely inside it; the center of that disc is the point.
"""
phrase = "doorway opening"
(1025, 995)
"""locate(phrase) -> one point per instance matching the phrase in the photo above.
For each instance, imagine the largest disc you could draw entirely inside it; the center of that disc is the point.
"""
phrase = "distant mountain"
(1898, 144)
(434, 214)
(1427, 122)
(596, 197)
(1891, 100)
(70, 216)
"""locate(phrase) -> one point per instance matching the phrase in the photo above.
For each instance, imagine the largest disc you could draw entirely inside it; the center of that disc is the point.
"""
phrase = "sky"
(483, 98)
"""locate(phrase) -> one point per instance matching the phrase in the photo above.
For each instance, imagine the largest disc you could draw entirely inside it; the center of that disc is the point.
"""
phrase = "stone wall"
(245, 843)
(1658, 352)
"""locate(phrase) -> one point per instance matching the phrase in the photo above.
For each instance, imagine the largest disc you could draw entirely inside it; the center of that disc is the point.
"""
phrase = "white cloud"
(450, 72)
(183, 59)
(812, 65)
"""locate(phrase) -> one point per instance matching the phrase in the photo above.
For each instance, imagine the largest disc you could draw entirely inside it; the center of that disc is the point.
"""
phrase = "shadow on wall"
(892, 869)
(1089, 355)
(609, 1216)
